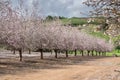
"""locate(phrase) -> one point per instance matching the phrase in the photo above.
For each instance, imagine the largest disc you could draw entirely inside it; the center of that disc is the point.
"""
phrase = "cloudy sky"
(67, 8)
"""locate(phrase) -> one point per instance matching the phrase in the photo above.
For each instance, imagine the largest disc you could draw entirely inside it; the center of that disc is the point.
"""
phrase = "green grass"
(77, 21)
(74, 21)
(100, 35)
(116, 51)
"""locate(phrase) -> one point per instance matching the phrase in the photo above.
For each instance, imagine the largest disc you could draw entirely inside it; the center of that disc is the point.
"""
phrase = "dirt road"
(76, 68)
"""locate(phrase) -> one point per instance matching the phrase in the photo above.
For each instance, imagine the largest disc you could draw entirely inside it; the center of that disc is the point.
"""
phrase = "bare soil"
(72, 68)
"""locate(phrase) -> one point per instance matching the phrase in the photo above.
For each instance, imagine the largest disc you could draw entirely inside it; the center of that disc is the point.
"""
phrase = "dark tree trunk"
(99, 53)
(56, 56)
(29, 51)
(92, 53)
(41, 52)
(75, 52)
(82, 53)
(66, 53)
(51, 51)
(88, 53)
(20, 54)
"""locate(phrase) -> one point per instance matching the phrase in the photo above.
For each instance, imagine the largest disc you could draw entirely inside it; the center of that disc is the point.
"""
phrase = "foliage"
(104, 7)
(49, 17)
(118, 47)
(114, 52)
(110, 10)
(100, 34)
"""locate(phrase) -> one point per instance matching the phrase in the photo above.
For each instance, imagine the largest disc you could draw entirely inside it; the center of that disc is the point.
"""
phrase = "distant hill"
(76, 21)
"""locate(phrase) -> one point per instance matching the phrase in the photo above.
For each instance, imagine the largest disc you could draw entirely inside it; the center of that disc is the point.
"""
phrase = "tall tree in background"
(106, 8)
(110, 10)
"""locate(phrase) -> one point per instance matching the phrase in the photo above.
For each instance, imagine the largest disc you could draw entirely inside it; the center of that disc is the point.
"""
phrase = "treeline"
(50, 36)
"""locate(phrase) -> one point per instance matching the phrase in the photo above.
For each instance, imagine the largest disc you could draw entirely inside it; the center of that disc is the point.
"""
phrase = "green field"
(78, 21)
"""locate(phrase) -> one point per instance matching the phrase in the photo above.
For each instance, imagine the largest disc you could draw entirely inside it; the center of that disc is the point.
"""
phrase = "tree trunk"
(75, 52)
(92, 53)
(99, 53)
(41, 52)
(51, 52)
(82, 53)
(20, 54)
(66, 53)
(29, 51)
(88, 53)
(56, 56)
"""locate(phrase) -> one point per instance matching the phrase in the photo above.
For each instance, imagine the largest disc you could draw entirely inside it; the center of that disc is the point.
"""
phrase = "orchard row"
(32, 33)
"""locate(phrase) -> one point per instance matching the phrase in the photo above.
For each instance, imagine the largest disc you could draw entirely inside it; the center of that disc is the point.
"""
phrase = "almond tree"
(110, 10)
(14, 30)
(107, 8)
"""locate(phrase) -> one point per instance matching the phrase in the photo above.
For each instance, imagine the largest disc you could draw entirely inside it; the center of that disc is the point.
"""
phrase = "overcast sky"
(67, 8)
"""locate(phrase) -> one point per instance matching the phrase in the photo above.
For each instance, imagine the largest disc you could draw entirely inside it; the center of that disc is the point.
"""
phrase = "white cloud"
(67, 8)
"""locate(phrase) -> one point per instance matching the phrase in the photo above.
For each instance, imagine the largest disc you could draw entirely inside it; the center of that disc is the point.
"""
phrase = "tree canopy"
(107, 8)
(110, 10)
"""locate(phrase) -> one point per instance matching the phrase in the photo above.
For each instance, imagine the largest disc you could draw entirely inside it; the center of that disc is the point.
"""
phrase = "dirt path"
(95, 69)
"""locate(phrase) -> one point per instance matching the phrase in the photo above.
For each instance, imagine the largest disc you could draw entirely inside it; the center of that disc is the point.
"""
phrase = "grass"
(74, 21)
(116, 52)
(100, 35)
(77, 21)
